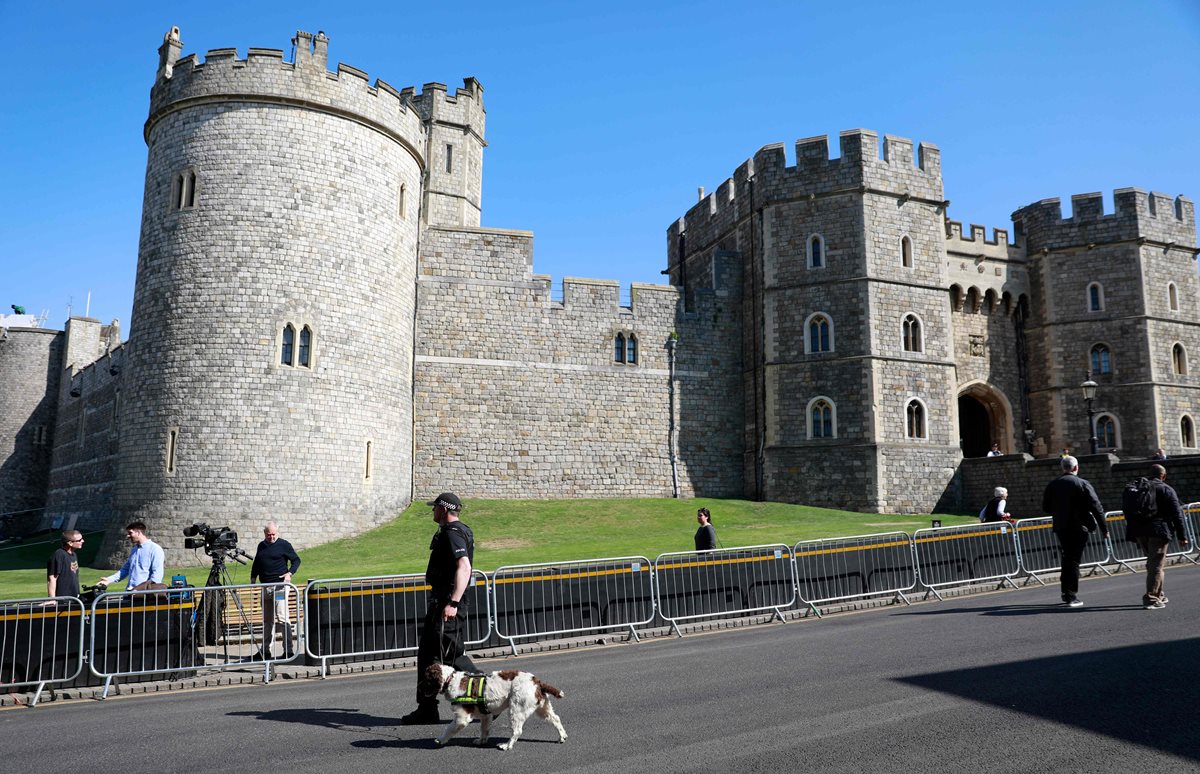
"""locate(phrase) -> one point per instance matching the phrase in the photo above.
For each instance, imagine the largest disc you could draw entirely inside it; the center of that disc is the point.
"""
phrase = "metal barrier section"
(724, 582)
(554, 598)
(41, 642)
(382, 615)
(1125, 551)
(966, 554)
(846, 568)
(172, 631)
(1191, 515)
(1039, 552)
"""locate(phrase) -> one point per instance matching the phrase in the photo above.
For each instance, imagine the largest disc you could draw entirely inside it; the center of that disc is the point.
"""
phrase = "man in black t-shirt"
(275, 561)
(62, 571)
(451, 553)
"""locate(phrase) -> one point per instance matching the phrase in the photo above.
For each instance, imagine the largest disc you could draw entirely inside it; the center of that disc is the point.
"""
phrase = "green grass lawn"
(511, 532)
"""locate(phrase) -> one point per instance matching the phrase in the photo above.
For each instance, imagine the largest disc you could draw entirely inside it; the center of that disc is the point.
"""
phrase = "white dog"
(511, 689)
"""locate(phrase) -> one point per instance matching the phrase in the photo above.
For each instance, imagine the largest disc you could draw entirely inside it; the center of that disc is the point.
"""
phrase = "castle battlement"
(308, 83)
(1137, 214)
(860, 166)
(976, 241)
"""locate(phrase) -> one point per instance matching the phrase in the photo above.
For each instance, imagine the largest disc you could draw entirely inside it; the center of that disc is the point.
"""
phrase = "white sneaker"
(1075, 603)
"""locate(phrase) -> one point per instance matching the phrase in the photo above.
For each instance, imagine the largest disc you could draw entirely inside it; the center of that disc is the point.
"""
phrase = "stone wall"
(30, 368)
(1026, 479)
(520, 396)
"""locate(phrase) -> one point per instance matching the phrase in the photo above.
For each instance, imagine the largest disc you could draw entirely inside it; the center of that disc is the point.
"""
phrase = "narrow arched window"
(821, 419)
(631, 349)
(816, 251)
(1095, 297)
(289, 345)
(1101, 362)
(305, 350)
(1172, 297)
(189, 198)
(912, 334)
(915, 419)
(403, 201)
(1187, 432)
(818, 334)
(906, 255)
(1106, 432)
(619, 348)
(1179, 360)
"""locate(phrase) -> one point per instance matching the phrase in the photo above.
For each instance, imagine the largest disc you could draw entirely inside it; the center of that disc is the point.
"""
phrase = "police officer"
(448, 575)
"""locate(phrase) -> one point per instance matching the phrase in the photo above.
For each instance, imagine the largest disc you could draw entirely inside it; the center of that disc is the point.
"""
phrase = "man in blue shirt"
(145, 562)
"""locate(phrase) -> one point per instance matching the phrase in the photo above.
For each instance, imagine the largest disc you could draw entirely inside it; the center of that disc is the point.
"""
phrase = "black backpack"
(1138, 502)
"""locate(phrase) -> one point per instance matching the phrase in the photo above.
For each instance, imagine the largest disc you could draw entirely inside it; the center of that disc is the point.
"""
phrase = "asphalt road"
(1009, 682)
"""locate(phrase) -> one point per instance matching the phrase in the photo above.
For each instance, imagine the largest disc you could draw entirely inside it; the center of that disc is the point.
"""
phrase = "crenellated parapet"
(984, 273)
(861, 168)
(1137, 215)
(264, 75)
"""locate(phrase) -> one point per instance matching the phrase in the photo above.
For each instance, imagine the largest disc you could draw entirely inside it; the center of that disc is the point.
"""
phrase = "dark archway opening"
(974, 427)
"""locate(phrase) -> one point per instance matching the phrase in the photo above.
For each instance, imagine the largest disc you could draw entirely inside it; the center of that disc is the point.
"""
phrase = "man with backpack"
(1153, 516)
(1073, 503)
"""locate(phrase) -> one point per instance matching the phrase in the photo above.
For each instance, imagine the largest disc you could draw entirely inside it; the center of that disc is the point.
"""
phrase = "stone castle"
(322, 331)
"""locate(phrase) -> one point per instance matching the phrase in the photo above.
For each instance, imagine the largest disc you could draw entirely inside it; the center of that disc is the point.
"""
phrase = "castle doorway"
(984, 418)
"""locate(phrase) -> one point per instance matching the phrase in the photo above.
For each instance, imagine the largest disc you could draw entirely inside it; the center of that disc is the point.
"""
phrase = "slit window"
(906, 255)
(172, 441)
(1179, 360)
(183, 193)
(1187, 432)
(367, 465)
(1172, 297)
(449, 158)
(1095, 297)
(816, 251)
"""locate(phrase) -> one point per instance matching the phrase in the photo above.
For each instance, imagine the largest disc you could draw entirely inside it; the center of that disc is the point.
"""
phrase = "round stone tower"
(31, 362)
(271, 346)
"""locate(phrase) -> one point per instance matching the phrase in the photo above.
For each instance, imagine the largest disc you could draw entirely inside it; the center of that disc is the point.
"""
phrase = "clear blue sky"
(604, 118)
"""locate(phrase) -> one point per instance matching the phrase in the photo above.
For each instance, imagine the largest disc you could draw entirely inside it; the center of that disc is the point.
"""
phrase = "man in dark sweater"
(1076, 510)
(275, 562)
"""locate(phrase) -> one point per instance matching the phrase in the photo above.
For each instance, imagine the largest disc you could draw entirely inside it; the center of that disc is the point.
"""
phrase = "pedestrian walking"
(1076, 510)
(706, 535)
(1153, 533)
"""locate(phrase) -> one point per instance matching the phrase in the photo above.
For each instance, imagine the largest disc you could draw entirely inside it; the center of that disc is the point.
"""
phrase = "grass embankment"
(511, 532)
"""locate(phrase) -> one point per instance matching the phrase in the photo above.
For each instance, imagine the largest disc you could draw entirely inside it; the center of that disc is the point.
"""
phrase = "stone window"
(303, 354)
(288, 349)
(183, 190)
(1187, 432)
(367, 467)
(820, 333)
(296, 346)
(449, 158)
(403, 203)
(39, 435)
(1179, 359)
(906, 252)
(822, 418)
(631, 349)
(1172, 297)
(915, 420)
(1095, 297)
(1101, 359)
(911, 334)
(619, 348)
(172, 442)
(1107, 432)
(816, 251)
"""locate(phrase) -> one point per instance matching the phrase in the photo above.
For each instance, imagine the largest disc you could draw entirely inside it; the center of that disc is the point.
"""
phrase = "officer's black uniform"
(442, 641)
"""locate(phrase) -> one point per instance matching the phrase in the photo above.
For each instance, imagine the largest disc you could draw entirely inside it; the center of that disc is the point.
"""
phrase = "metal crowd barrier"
(358, 617)
(555, 598)
(1038, 550)
(727, 581)
(966, 554)
(177, 630)
(1125, 551)
(845, 568)
(40, 642)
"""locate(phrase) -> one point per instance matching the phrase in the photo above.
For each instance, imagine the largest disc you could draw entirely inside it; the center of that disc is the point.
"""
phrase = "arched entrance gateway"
(984, 418)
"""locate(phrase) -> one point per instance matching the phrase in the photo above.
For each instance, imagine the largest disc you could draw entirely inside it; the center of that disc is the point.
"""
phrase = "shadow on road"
(1139, 694)
(324, 717)
(1007, 610)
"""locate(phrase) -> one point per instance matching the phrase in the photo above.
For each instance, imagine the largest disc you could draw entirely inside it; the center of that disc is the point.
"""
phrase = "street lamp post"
(1089, 395)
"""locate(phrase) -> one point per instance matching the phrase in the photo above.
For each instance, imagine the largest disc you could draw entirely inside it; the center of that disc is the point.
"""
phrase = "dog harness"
(474, 695)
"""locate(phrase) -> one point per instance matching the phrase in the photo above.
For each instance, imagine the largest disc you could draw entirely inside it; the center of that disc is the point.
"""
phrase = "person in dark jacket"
(1154, 536)
(995, 510)
(275, 561)
(1076, 510)
(706, 536)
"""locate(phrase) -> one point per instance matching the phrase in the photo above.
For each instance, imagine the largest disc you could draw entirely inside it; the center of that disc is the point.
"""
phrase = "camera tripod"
(210, 613)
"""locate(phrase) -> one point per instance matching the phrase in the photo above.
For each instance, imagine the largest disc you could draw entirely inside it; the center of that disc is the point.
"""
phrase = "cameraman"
(145, 562)
(275, 561)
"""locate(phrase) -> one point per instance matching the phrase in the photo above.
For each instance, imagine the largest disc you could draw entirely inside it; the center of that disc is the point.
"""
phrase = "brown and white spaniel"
(510, 689)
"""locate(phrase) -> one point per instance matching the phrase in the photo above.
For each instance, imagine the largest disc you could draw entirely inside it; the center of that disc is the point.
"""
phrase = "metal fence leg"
(266, 673)
(37, 694)
(675, 627)
(813, 609)
(633, 635)
(934, 592)
(107, 684)
(901, 595)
